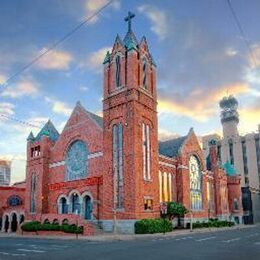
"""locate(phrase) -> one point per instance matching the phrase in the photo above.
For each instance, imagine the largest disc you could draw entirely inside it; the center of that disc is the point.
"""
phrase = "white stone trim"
(95, 155)
(167, 164)
(167, 158)
(56, 164)
(183, 167)
(90, 156)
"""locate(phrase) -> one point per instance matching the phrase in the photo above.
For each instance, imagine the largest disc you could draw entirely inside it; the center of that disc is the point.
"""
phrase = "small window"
(36, 151)
(148, 204)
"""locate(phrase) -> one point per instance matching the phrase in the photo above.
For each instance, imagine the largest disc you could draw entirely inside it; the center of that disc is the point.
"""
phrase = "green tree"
(175, 209)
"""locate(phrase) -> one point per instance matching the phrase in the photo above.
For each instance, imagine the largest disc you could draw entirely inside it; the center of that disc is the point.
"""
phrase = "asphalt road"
(232, 244)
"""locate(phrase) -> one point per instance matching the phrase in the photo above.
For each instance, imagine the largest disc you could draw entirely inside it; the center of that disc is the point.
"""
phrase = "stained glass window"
(77, 161)
(195, 183)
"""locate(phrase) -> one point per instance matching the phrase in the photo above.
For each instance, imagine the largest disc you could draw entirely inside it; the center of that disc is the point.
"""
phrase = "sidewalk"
(122, 237)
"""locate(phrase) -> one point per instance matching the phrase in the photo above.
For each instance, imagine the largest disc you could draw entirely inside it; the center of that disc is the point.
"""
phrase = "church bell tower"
(130, 184)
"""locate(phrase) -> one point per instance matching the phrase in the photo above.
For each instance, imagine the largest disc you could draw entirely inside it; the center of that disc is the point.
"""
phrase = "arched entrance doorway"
(6, 225)
(75, 201)
(88, 207)
(14, 222)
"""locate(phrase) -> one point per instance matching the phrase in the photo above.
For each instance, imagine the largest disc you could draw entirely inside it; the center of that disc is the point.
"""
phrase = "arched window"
(14, 201)
(161, 186)
(195, 183)
(55, 221)
(77, 161)
(170, 187)
(63, 206)
(118, 71)
(75, 202)
(144, 70)
(33, 194)
(165, 187)
(118, 165)
(65, 221)
(146, 151)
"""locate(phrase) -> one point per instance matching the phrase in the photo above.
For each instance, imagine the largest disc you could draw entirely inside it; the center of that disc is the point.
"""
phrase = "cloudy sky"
(198, 49)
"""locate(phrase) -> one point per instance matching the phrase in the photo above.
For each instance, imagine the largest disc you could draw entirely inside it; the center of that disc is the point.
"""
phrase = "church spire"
(130, 40)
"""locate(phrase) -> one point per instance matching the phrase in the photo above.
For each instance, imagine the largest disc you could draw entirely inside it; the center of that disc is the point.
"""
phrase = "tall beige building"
(5, 173)
(243, 152)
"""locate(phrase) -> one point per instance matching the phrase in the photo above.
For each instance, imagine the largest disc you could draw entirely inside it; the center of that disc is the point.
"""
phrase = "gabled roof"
(97, 119)
(171, 147)
(48, 130)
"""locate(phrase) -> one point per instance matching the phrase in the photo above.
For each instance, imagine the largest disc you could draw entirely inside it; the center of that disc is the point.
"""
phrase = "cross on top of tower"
(128, 19)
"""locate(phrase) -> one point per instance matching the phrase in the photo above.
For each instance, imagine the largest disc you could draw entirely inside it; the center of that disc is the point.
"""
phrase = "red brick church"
(112, 170)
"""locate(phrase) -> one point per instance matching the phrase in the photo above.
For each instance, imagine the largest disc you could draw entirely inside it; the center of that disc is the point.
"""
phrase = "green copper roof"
(107, 58)
(229, 169)
(48, 130)
(130, 39)
(30, 137)
(131, 46)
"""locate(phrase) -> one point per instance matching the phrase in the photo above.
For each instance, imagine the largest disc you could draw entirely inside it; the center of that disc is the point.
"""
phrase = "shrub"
(36, 226)
(213, 223)
(151, 226)
(31, 226)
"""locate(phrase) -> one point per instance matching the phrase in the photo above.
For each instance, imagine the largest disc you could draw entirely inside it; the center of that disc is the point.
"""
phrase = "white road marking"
(31, 250)
(253, 235)
(59, 246)
(231, 240)
(203, 239)
(257, 243)
(183, 238)
(4, 253)
(18, 254)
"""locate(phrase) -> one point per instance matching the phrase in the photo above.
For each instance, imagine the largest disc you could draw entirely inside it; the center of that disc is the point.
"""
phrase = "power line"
(53, 46)
(240, 28)
(24, 123)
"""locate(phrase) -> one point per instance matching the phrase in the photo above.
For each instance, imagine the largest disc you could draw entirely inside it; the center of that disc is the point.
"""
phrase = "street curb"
(120, 237)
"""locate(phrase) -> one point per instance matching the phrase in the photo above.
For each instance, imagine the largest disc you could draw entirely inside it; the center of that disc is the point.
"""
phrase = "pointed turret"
(30, 137)
(229, 169)
(48, 130)
(107, 58)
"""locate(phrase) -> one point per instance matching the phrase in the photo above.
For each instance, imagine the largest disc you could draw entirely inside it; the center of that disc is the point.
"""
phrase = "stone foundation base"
(122, 226)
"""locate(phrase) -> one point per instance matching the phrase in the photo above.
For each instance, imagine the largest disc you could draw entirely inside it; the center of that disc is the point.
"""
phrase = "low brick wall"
(47, 233)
